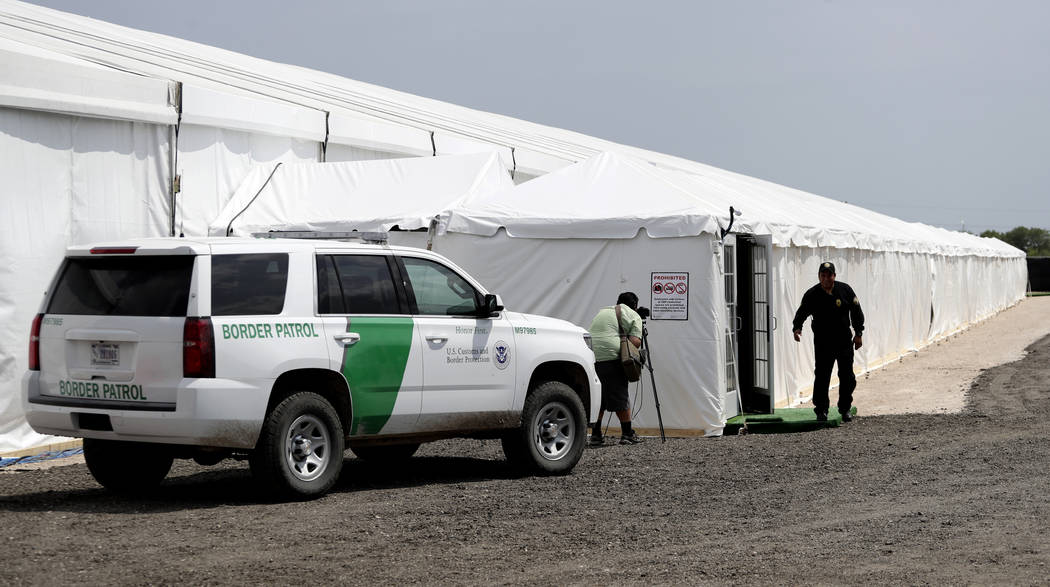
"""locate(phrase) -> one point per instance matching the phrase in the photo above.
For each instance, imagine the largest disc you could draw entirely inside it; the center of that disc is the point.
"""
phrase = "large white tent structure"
(108, 132)
(566, 243)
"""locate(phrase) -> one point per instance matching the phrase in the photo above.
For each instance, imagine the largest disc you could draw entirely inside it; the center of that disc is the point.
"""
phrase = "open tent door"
(754, 313)
(731, 394)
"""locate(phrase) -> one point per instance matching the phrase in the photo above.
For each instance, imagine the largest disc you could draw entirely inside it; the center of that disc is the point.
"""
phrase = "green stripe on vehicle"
(374, 367)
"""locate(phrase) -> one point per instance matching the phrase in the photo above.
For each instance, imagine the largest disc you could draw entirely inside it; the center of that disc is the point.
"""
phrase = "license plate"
(104, 353)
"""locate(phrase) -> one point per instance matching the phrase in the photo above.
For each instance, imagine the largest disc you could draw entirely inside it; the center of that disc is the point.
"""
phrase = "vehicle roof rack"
(379, 238)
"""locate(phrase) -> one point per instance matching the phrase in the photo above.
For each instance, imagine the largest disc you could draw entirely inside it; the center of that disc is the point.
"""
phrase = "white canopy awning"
(606, 196)
(358, 195)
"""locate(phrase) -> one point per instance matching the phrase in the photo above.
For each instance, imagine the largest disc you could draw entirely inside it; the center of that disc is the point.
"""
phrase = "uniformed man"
(834, 308)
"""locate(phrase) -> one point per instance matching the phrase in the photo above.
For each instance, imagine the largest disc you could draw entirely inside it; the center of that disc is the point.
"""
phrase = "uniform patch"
(501, 354)
(838, 303)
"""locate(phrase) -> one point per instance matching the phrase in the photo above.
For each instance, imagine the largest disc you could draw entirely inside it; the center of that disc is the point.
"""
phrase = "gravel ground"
(958, 498)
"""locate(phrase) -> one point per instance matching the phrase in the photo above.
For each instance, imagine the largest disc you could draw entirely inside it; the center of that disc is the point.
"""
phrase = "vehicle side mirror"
(491, 307)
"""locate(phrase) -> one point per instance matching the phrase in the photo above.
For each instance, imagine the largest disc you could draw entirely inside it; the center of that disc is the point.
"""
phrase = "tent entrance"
(754, 322)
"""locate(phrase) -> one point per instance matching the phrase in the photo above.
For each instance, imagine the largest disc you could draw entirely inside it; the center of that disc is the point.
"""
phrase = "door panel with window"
(371, 340)
(468, 361)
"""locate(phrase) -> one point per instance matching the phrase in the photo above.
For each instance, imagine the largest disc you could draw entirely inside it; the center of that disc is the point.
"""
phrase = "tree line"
(1034, 241)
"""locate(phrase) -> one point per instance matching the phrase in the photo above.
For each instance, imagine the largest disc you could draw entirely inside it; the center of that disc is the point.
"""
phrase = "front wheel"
(127, 467)
(300, 449)
(553, 430)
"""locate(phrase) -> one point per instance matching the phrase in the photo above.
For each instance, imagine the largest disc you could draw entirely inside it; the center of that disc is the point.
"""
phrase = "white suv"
(288, 351)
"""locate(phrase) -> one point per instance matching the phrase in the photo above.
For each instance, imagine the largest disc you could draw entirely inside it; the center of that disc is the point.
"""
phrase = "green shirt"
(605, 335)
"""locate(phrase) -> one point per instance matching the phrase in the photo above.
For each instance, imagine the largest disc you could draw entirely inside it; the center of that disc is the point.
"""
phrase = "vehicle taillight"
(113, 250)
(34, 344)
(198, 348)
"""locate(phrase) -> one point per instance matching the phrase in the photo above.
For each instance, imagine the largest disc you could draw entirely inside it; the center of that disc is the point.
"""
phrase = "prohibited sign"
(670, 295)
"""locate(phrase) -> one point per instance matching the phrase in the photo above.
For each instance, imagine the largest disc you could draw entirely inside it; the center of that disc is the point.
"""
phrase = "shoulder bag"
(630, 356)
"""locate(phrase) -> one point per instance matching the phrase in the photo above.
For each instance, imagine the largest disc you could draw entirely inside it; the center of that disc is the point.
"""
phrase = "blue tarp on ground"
(47, 456)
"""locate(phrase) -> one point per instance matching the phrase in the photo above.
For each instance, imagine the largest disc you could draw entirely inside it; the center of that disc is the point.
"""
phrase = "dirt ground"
(957, 496)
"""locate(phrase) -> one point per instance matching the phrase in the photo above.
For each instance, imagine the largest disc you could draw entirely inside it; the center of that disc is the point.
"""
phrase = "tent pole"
(175, 185)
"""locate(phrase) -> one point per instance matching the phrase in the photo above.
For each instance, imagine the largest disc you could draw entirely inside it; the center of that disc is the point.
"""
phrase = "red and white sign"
(670, 295)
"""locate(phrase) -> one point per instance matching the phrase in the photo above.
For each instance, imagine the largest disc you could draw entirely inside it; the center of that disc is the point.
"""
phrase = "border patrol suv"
(288, 351)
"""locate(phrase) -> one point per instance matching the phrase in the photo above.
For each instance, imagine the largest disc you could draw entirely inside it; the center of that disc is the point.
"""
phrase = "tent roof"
(224, 89)
(359, 195)
(606, 196)
(614, 196)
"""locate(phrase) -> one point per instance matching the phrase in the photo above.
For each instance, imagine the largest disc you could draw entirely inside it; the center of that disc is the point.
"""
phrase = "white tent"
(108, 132)
(566, 243)
(379, 195)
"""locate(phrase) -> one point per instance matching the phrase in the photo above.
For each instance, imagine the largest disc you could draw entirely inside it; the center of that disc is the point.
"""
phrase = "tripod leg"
(652, 378)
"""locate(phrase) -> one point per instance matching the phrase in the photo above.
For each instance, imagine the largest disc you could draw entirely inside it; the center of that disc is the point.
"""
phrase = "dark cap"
(826, 267)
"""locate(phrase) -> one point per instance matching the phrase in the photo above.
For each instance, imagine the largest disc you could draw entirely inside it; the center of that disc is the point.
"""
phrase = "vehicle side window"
(246, 284)
(355, 284)
(440, 290)
(329, 294)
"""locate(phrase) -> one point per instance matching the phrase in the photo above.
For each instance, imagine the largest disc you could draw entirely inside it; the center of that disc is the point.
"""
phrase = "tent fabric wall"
(214, 161)
(67, 180)
(336, 153)
(574, 278)
(910, 300)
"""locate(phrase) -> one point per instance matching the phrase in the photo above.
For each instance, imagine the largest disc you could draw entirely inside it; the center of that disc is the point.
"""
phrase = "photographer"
(605, 336)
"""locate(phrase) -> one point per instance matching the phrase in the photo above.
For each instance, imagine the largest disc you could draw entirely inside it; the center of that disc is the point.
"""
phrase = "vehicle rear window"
(248, 284)
(123, 286)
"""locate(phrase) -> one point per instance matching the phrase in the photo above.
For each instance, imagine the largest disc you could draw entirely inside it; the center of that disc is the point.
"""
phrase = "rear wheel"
(300, 449)
(553, 431)
(385, 452)
(127, 467)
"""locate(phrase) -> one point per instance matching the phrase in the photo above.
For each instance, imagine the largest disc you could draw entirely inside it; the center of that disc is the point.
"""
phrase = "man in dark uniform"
(834, 308)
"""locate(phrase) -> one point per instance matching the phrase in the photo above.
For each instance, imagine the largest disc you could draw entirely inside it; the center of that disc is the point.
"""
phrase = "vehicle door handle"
(347, 339)
(437, 339)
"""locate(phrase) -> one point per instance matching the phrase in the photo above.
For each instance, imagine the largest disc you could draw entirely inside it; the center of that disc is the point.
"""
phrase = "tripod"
(652, 377)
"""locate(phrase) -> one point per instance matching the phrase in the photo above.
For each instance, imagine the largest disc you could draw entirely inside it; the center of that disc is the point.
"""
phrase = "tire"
(300, 450)
(553, 431)
(127, 467)
(385, 452)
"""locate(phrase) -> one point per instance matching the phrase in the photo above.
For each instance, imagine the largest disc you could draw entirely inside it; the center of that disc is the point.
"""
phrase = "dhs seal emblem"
(501, 354)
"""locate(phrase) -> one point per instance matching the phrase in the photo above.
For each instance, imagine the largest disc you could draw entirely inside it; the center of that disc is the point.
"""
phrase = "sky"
(930, 111)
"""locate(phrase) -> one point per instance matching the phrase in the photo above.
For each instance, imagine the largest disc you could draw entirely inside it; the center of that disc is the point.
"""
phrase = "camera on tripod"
(644, 351)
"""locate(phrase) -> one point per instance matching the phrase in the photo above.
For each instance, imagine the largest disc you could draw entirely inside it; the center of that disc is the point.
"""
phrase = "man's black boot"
(821, 416)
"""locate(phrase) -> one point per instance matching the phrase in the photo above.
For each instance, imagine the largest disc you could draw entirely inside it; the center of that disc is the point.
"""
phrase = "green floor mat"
(783, 420)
